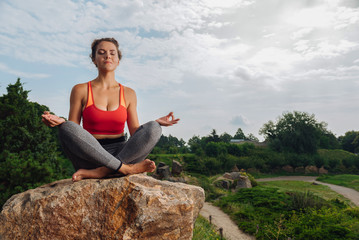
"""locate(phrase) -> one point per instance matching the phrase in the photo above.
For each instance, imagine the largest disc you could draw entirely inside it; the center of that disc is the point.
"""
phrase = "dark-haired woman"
(99, 148)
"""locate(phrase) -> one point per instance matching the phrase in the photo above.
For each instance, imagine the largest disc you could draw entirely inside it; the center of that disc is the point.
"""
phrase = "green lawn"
(345, 180)
(300, 186)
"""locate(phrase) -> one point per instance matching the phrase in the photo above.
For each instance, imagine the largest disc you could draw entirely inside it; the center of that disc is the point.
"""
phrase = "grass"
(345, 180)
(203, 230)
(291, 210)
(299, 186)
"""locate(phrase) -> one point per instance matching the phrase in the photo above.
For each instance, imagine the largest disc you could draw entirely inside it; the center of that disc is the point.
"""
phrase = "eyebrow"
(112, 50)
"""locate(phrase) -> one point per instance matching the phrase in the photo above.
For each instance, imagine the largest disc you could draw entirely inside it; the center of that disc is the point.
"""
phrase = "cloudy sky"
(218, 64)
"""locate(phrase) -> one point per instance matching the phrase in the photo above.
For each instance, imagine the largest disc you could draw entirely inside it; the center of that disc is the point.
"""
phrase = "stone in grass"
(176, 167)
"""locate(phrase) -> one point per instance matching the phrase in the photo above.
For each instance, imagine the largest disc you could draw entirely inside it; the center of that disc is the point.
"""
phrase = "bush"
(306, 200)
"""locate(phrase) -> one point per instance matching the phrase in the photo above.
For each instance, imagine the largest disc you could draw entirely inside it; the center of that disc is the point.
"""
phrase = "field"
(345, 180)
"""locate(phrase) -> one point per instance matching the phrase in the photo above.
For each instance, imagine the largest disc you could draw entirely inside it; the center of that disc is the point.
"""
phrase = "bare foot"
(96, 173)
(145, 166)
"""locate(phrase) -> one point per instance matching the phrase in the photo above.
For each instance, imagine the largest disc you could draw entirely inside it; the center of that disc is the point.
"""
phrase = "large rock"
(132, 207)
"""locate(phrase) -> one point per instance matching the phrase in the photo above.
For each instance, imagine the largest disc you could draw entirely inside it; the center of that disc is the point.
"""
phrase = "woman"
(99, 148)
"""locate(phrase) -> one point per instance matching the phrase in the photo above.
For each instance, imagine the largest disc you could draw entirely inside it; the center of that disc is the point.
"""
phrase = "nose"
(108, 55)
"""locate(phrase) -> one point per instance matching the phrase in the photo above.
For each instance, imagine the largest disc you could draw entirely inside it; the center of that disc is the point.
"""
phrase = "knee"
(154, 129)
(67, 128)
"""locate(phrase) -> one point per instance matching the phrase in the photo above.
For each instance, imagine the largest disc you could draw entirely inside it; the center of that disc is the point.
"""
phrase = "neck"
(106, 79)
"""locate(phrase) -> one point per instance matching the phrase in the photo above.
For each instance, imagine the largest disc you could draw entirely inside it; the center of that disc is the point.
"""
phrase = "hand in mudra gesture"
(168, 120)
(51, 120)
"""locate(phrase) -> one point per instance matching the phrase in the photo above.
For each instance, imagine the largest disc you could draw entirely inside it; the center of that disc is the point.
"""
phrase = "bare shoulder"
(129, 92)
(80, 88)
(130, 96)
(79, 91)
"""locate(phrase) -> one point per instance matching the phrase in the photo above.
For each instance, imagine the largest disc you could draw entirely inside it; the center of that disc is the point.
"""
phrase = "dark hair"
(96, 42)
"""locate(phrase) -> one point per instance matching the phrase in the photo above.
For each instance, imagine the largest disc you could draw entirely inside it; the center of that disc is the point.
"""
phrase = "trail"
(222, 220)
(349, 193)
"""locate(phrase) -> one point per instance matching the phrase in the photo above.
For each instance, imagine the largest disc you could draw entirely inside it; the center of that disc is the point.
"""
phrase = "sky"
(217, 64)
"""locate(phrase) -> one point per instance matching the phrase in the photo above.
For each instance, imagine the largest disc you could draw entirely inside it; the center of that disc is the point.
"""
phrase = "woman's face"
(106, 57)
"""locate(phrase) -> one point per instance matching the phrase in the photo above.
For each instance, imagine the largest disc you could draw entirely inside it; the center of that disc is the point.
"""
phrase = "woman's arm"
(77, 102)
(132, 117)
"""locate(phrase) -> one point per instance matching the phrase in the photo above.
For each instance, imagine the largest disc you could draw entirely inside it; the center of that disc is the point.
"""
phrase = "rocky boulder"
(322, 170)
(176, 167)
(232, 175)
(288, 169)
(311, 169)
(243, 182)
(132, 207)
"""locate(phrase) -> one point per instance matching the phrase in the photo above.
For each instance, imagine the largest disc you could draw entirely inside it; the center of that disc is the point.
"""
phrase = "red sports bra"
(97, 121)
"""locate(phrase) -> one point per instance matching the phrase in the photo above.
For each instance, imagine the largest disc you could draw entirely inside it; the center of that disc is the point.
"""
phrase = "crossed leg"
(91, 160)
(126, 169)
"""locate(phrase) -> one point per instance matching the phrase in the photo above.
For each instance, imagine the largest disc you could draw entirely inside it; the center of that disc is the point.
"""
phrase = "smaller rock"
(235, 175)
(243, 182)
(163, 172)
(161, 164)
(311, 169)
(226, 184)
(235, 169)
(176, 167)
(322, 170)
(288, 169)
(227, 175)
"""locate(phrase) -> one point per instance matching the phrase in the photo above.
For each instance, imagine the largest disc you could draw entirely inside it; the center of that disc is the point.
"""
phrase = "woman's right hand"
(51, 120)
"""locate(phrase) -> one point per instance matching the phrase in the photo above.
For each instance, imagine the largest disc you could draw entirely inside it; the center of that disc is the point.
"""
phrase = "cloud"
(21, 74)
(239, 121)
(209, 59)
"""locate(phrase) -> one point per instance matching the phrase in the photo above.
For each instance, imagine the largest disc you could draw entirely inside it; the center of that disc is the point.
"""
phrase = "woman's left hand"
(168, 120)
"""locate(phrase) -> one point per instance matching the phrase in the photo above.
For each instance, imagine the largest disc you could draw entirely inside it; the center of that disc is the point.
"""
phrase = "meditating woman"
(99, 148)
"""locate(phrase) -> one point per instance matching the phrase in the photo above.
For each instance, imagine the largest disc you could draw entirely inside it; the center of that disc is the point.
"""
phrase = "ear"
(93, 61)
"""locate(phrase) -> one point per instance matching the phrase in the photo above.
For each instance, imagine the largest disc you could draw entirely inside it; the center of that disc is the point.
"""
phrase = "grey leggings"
(85, 152)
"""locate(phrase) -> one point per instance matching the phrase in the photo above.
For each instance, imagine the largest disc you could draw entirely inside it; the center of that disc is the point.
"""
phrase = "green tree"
(350, 141)
(171, 144)
(213, 137)
(239, 134)
(225, 137)
(297, 132)
(29, 153)
(194, 143)
(253, 138)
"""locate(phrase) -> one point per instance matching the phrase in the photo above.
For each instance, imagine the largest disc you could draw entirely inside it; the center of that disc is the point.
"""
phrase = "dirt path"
(222, 220)
(349, 193)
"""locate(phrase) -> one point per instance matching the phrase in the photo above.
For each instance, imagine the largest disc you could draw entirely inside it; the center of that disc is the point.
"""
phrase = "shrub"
(304, 200)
